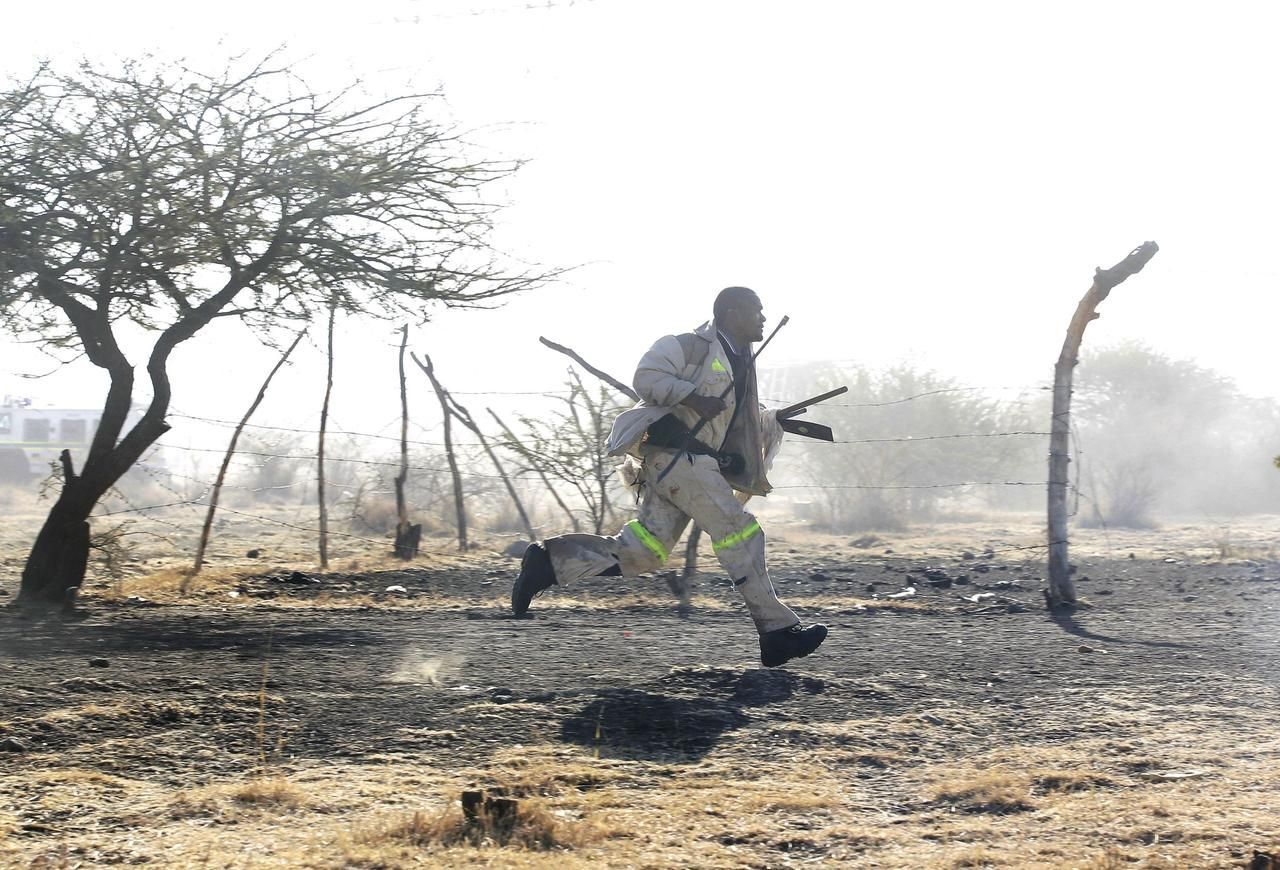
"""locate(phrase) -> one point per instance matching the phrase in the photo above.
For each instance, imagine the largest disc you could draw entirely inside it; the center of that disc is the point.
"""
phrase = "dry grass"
(992, 791)
(1076, 808)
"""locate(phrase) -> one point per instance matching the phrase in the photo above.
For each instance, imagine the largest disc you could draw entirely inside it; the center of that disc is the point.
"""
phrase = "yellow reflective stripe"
(646, 537)
(717, 366)
(736, 537)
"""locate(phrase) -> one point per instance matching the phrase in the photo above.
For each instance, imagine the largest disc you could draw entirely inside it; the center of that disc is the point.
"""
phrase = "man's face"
(746, 319)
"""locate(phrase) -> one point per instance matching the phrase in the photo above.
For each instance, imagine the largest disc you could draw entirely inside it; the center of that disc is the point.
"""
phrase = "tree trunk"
(226, 461)
(1061, 592)
(324, 420)
(55, 568)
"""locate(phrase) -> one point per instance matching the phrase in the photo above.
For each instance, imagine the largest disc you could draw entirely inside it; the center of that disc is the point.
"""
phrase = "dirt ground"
(278, 716)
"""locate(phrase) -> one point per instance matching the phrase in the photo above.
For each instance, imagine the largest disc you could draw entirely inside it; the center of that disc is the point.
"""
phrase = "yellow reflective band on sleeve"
(717, 366)
(646, 537)
(737, 537)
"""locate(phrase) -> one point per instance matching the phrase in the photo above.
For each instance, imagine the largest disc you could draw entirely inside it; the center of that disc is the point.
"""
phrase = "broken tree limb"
(608, 379)
(226, 460)
(464, 416)
(442, 395)
(1061, 592)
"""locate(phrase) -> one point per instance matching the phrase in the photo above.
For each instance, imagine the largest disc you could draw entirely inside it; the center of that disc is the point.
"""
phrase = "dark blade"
(808, 430)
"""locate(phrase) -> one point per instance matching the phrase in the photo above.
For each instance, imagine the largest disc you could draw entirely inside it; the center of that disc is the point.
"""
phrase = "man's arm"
(657, 379)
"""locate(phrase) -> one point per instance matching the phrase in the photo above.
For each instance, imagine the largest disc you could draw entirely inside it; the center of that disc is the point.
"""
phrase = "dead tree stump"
(1062, 591)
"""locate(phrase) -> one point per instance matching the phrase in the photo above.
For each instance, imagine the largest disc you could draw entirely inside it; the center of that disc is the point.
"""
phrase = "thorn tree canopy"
(164, 198)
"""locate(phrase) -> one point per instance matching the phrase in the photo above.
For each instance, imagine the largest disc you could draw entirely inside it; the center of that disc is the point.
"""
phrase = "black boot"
(781, 646)
(536, 576)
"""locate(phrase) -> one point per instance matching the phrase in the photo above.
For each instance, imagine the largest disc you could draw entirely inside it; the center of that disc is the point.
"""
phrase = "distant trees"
(161, 199)
(904, 422)
(1160, 435)
(1151, 436)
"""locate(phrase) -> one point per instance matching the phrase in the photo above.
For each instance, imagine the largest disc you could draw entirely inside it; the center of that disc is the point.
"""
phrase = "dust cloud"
(418, 667)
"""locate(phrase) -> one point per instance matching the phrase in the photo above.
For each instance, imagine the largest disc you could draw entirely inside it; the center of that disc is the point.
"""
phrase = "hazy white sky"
(930, 182)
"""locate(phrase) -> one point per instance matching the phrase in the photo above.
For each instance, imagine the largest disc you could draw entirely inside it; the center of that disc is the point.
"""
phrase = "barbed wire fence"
(175, 490)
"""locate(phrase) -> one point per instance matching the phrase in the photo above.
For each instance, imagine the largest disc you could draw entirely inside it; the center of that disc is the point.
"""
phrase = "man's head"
(739, 315)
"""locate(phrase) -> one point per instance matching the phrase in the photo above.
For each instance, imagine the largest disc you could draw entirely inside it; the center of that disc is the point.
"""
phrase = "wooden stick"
(226, 462)
(611, 381)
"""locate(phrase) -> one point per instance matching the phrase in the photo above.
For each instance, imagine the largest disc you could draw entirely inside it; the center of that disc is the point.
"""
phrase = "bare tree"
(570, 446)
(165, 198)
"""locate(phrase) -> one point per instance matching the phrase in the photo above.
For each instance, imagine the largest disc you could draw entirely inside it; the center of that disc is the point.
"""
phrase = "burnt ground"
(1169, 681)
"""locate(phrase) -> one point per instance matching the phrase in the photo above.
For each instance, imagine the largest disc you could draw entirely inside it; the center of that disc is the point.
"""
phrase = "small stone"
(1085, 648)
(253, 554)
(819, 577)
(99, 663)
(966, 555)
(396, 588)
(9, 744)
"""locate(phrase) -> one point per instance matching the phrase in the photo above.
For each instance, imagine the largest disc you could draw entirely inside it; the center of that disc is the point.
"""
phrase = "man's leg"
(642, 545)
(696, 487)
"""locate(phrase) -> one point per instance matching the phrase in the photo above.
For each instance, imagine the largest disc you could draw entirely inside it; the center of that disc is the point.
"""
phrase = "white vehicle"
(31, 437)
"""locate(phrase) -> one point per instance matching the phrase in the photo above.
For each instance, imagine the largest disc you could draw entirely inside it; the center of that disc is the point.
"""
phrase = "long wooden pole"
(226, 461)
(607, 378)
(324, 421)
(1062, 591)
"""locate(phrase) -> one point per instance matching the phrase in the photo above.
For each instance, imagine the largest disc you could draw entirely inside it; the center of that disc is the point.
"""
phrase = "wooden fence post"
(1061, 592)
(324, 422)
(408, 536)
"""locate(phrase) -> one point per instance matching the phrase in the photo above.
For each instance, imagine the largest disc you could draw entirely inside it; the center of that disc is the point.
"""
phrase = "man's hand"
(709, 407)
